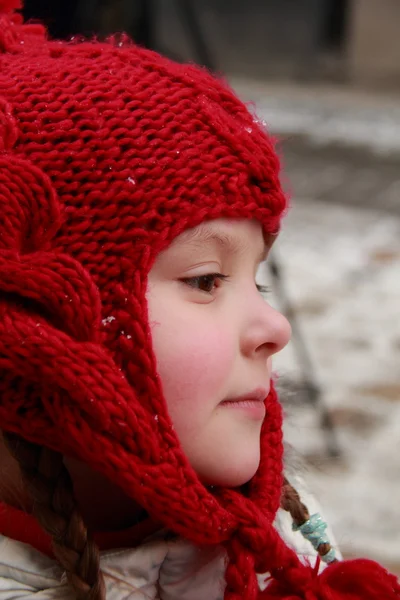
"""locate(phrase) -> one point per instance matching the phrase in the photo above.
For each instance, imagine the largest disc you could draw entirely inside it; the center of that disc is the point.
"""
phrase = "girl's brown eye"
(204, 283)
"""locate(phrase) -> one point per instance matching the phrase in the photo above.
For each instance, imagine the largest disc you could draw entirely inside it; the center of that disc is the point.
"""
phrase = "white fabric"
(160, 569)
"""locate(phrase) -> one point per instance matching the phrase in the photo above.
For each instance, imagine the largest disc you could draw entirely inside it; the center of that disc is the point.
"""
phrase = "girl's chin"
(230, 477)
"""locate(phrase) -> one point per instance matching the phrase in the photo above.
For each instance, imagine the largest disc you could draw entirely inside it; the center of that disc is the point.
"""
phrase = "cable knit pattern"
(107, 153)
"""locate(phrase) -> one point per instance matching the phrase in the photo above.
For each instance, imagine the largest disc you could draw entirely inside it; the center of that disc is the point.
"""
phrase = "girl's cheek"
(204, 356)
(193, 361)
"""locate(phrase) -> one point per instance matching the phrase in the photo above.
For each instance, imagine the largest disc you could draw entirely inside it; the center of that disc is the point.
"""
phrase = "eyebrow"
(226, 241)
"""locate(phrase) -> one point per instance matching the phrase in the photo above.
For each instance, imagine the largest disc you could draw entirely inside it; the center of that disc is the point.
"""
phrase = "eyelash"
(194, 282)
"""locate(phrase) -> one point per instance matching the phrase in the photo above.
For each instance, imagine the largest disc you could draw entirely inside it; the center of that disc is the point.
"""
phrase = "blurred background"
(324, 77)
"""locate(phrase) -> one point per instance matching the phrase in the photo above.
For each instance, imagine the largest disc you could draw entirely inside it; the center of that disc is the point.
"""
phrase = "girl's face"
(213, 337)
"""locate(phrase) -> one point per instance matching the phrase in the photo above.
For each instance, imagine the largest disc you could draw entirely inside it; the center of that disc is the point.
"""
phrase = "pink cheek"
(194, 365)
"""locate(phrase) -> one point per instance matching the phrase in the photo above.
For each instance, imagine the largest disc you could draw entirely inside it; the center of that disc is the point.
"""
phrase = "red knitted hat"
(107, 153)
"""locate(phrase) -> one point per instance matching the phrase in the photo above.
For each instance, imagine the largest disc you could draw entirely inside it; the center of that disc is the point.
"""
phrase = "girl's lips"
(257, 395)
(252, 403)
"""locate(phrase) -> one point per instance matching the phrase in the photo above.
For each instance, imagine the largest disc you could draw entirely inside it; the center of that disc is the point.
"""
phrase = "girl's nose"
(267, 331)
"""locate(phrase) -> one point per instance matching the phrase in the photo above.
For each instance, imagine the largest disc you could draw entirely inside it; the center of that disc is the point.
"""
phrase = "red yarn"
(347, 580)
(15, 36)
(9, 6)
(107, 153)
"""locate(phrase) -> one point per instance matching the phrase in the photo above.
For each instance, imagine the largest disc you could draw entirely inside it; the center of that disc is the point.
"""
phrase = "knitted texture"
(107, 153)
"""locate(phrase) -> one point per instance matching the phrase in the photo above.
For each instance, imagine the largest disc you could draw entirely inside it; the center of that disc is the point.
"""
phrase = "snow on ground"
(379, 131)
(327, 115)
(342, 273)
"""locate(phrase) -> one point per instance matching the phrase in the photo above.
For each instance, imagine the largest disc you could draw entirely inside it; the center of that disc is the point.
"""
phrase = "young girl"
(138, 197)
